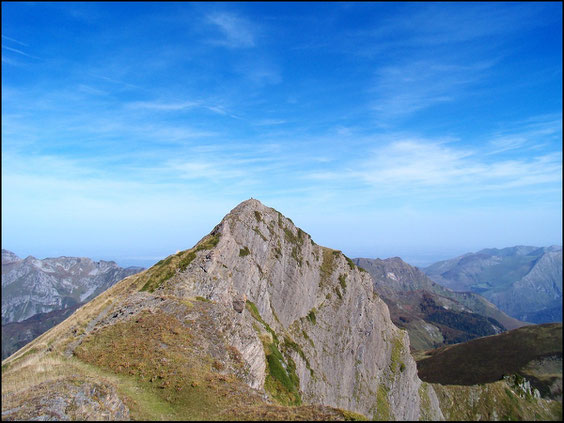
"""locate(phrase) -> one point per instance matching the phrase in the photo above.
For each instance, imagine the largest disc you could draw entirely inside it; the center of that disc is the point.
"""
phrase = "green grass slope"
(531, 351)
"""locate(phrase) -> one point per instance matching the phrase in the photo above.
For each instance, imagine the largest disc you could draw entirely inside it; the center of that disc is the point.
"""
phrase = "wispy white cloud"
(171, 106)
(268, 122)
(153, 105)
(11, 62)
(407, 88)
(421, 167)
(91, 90)
(114, 80)
(237, 32)
(18, 51)
(14, 40)
(437, 25)
(531, 134)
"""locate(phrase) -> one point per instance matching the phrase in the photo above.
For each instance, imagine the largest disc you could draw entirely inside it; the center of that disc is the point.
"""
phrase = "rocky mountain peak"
(302, 320)
(8, 257)
(310, 302)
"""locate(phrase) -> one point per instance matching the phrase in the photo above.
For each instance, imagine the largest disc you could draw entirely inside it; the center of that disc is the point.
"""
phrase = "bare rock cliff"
(346, 351)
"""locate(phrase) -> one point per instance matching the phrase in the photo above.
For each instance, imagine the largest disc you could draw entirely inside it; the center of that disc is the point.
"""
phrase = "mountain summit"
(254, 316)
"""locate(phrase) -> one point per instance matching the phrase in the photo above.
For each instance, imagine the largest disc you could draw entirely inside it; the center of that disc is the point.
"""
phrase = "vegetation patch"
(311, 316)
(289, 236)
(186, 260)
(350, 262)
(157, 277)
(256, 315)
(343, 282)
(291, 344)
(257, 231)
(166, 269)
(351, 416)
(281, 381)
(493, 401)
(205, 300)
(489, 358)
(327, 265)
(425, 407)
(396, 362)
(258, 216)
(382, 404)
(338, 292)
(304, 333)
(296, 255)
(244, 252)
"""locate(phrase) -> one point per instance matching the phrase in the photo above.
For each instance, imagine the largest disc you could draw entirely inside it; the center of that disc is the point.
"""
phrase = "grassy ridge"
(488, 359)
(167, 268)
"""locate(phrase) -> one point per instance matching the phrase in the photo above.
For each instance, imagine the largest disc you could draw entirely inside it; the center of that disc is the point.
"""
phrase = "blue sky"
(420, 130)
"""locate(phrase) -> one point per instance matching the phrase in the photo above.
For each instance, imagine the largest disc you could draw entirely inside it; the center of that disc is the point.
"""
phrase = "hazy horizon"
(418, 130)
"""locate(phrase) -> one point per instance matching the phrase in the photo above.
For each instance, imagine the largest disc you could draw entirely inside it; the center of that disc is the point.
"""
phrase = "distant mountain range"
(432, 314)
(525, 282)
(38, 294)
(31, 286)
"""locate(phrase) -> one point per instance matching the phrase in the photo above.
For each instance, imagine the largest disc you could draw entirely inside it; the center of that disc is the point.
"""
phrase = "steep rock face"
(33, 286)
(525, 282)
(349, 353)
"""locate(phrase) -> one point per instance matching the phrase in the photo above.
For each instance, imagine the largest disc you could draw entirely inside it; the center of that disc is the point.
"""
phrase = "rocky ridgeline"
(346, 351)
(273, 312)
(31, 286)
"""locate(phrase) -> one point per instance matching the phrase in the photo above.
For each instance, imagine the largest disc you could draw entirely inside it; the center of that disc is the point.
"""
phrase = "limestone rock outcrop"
(349, 354)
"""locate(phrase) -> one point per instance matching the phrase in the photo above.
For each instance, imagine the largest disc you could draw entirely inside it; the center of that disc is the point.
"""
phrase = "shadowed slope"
(532, 351)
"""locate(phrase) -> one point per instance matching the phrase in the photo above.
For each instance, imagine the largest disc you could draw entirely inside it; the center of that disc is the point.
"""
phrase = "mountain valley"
(432, 314)
(524, 282)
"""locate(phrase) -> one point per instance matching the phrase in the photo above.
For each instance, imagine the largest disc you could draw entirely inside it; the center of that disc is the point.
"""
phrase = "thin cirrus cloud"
(530, 134)
(419, 167)
(4, 37)
(236, 32)
(403, 89)
(435, 25)
(153, 105)
(20, 52)
(179, 106)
